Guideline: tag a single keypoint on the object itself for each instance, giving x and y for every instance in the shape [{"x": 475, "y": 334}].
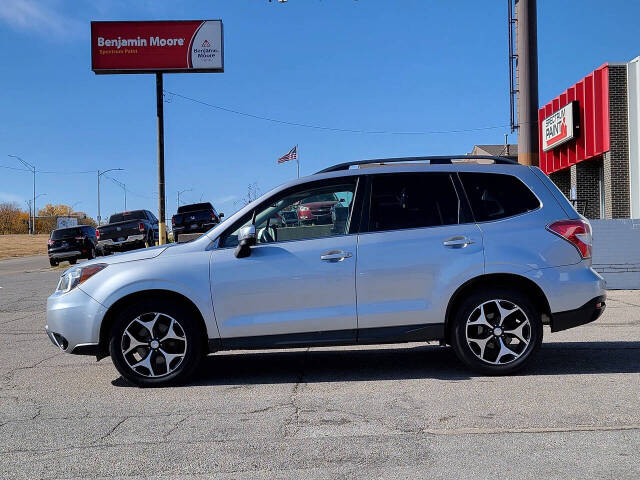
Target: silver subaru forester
[{"x": 476, "y": 252}]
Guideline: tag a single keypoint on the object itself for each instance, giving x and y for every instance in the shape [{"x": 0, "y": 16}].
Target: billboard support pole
[
  {"x": 162, "y": 228},
  {"x": 527, "y": 47}
]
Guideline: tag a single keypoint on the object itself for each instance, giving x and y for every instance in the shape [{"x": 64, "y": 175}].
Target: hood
[
  {"x": 330, "y": 203},
  {"x": 142, "y": 254}
]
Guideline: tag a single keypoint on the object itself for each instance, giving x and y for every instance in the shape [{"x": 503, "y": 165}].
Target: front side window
[
  {"x": 494, "y": 196},
  {"x": 417, "y": 200},
  {"x": 315, "y": 212}
]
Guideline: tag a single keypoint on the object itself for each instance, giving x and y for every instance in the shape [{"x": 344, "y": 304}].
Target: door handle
[
  {"x": 335, "y": 256},
  {"x": 457, "y": 242}
]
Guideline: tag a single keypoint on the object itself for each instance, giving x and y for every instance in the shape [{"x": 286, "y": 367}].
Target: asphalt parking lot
[{"x": 408, "y": 411}]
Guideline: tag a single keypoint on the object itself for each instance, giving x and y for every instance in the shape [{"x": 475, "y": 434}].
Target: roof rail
[{"x": 433, "y": 160}]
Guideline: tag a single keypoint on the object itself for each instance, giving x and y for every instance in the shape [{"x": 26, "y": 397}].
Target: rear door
[{"x": 418, "y": 246}]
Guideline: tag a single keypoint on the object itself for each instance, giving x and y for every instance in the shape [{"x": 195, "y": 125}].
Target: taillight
[
  {"x": 576, "y": 232},
  {"x": 50, "y": 242},
  {"x": 173, "y": 221},
  {"x": 98, "y": 234},
  {"x": 213, "y": 216},
  {"x": 141, "y": 226}
]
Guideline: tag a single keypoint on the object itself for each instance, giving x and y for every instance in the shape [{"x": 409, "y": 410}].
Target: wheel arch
[
  {"x": 504, "y": 280},
  {"x": 122, "y": 303}
]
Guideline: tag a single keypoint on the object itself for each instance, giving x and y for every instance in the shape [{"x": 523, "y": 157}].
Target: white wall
[
  {"x": 616, "y": 252},
  {"x": 633, "y": 89}
]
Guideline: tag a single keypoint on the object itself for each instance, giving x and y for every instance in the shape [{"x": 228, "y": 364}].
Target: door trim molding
[{"x": 364, "y": 336}]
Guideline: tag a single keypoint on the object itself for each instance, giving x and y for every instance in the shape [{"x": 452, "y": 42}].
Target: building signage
[
  {"x": 560, "y": 126},
  {"x": 181, "y": 46}
]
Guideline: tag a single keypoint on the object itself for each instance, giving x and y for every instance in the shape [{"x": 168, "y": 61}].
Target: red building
[{"x": 585, "y": 136}]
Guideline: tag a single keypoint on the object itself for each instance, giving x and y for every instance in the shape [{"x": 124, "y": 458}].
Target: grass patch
[{"x": 22, "y": 245}]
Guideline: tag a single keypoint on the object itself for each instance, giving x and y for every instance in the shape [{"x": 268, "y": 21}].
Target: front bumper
[
  {"x": 73, "y": 321},
  {"x": 587, "y": 313}
]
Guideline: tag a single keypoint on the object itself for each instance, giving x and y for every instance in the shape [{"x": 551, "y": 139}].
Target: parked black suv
[
  {"x": 194, "y": 218},
  {"x": 71, "y": 244},
  {"x": 128, "y": 231}
]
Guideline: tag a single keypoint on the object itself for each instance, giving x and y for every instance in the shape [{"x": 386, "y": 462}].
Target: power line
[{"x": 332, "y": 129}]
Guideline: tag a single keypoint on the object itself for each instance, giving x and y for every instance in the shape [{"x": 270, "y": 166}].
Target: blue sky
[{"x": 405, "y": 65}]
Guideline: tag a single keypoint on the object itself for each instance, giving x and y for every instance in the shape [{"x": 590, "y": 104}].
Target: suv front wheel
[
  {"x": 496, "y": 331},
  {"x": 155, "y": 343}
]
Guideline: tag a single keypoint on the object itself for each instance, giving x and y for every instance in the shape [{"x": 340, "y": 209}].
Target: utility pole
[
  {"x": 162, "y": 226},
  {"x": 527, "y": 50},
  {"x": 99, "y": 175},
  {"x": 33, "y": 169}
]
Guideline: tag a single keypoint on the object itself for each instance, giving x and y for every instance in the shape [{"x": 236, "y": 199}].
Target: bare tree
[{"x": 253, "y": 192}]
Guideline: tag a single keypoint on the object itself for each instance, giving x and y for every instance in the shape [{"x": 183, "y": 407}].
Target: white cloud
[{"x": 34, "y": 15}]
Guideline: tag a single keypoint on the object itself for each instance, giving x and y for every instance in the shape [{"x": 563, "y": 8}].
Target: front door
[{"x": 298, "y": 283}]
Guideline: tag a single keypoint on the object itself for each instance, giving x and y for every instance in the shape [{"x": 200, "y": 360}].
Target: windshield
[{"x": 324, "y": 197}]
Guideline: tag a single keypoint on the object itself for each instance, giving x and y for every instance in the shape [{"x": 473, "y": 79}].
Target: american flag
[{"x": 291, "y": 155}]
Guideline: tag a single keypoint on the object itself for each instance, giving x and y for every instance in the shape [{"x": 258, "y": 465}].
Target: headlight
[{"x": 75, "y": 276}]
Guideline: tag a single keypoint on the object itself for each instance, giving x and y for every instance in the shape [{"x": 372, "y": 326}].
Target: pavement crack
[
  {"x": 111, "y": 430},
  {"x": 175, "y": 426},
  {"x": 293, "y": 399}
]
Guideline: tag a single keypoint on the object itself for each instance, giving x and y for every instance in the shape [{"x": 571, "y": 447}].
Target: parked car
[
  {"x": 477, "y": 256},
  {"x": 71, "y": 244},
  {"x": 290, "y": 217},
  {"x": 128, "y": 231},
  {"x": 194, "y": 218},
  {"x": 317, "y": 209}
]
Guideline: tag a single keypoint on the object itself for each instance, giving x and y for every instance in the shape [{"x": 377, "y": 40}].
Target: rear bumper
[
  {"x": 67, "y": 254},
  {"x": 113, "y": 245},
  {"x": 587, "y": 313}
]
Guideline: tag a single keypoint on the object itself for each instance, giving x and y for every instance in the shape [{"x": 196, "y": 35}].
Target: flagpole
[{"x": 298, "y": 159}]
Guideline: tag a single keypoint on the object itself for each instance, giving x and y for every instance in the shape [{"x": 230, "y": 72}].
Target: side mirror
[
  {"x": 220, "y": 215},
  {"x": 246, "y": 240}
]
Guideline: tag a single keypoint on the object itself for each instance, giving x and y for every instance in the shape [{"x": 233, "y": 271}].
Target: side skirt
[{"x": 364, "y": 336}]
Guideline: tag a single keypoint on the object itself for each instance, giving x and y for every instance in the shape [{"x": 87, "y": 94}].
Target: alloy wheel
[
  {"x": 498, "y": 332},
  {"x": 154, "y": 344}
]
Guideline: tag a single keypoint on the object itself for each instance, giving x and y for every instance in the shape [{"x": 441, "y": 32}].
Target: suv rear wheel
[
  {"x": 155, "y": 343},
  {"x": 496, "y": 331}
]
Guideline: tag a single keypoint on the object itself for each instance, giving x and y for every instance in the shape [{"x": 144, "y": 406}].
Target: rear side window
[
  {"x": 494, "y": 196},
  {"x": 402, "y": 201}
]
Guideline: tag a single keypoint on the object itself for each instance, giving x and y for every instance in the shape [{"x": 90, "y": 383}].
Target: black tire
[
  {"x": 73, "y": 261},
  {"x": 192, "y": 331},
  {"x": 148, "y": 242},
  {"x": 53, "y": 263},
  {"x": 469, "y": 352},
  {"x": 92, "y": 254}
]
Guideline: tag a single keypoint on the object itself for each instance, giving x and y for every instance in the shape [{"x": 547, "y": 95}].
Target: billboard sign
[
  {"x": 66, "y": 222},
  {"x": 560, "y": 126},
  {"x": 179, "y": 46}
]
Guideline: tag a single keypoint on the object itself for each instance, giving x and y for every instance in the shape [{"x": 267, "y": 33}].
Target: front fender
[{"x": 186, "y": 274}]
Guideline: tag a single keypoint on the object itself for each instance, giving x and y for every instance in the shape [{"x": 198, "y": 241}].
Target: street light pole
[
  {"x": 180, "y": 192},
  {"x": 33, "y": 169},
  {"x": 99, "y": 175}
]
